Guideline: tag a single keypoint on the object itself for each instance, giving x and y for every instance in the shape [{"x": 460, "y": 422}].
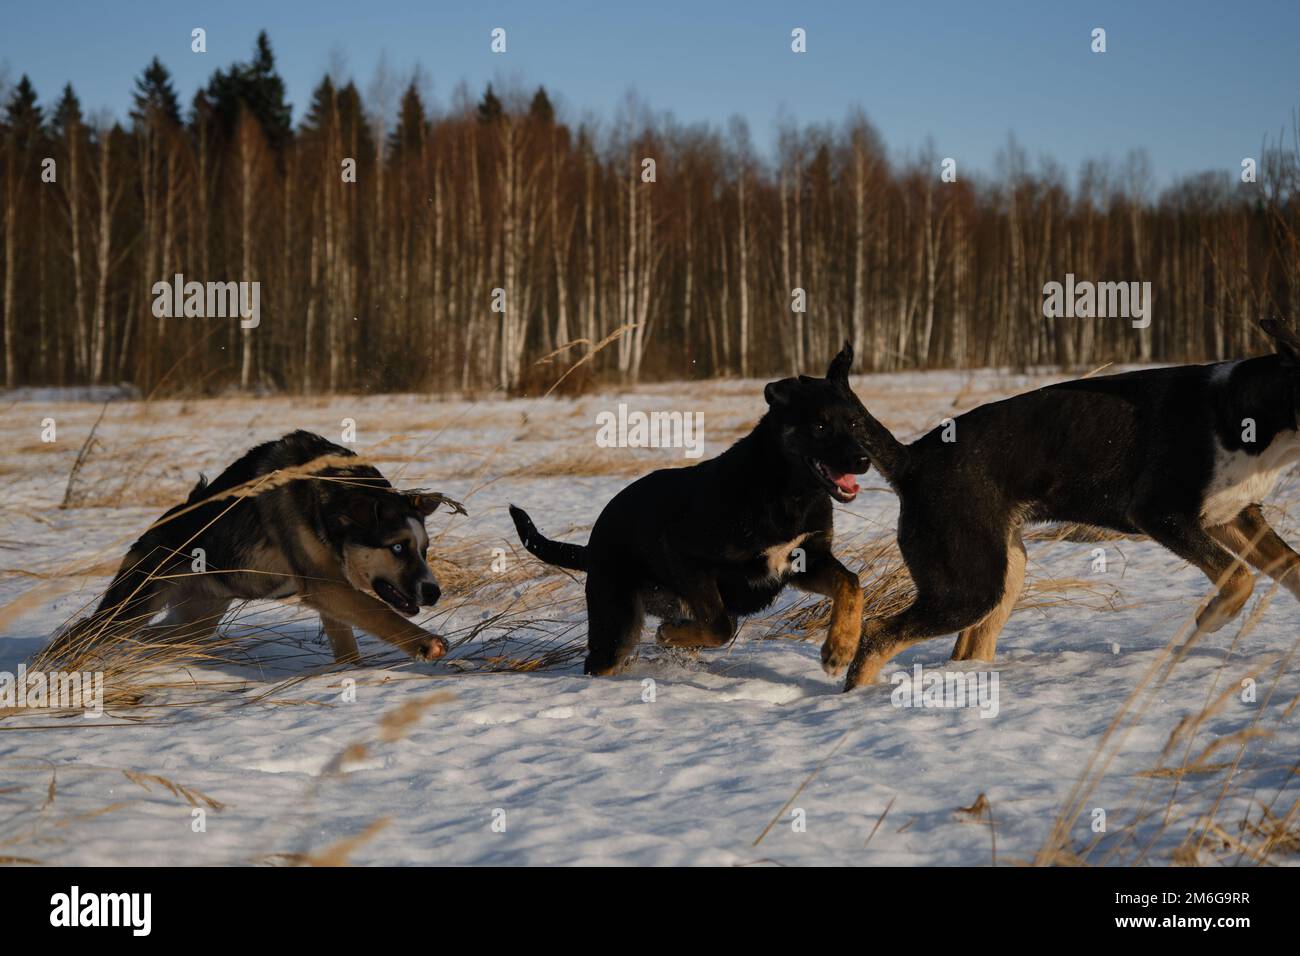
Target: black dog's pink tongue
[{"x": 846, "y": 483}]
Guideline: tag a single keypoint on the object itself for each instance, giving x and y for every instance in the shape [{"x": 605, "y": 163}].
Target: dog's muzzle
[{"x": 842, "y": 485}]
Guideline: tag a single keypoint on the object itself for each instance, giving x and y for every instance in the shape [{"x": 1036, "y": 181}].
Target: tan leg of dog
[
  {"x": 979, "y": 642},
  {"x": 1233, "y": 582},
  {"x": 709, "y": 625},
  {"x": 1193, "y": 542},
  {"x": 342, "y": 641},
  {"x": 694, "y": 634},
  {"x": 835, "y": 581},
  {"x": 1251, "y": 537},
  {"x": 345, "y": 603},
  {"x": 875, "y": 650}
]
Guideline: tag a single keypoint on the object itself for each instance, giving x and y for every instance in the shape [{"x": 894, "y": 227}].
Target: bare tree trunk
[
  {"x": 799, "y": 323},
  {"x": 742, "y": 261},
  {"x": 509, "y": 251},
  {"x": 641, "y": 333},
  {"x": 786, "y": 274},
  {"x": 330, "y": 285},
  {"x": 589, "y": 206},
  {"x": 688, "y": 292},
  {"x": 559, "y": 246},
  {"x": 434, "y": 253},
  {"x": 11, "y": 266},
  {"x": 246, "y": 240},
  {"x": 629, "y": 272},
  {"x": 73, "y": 188},
  {"x": 933, "y": 237},
  {"x": 859, "y": 332},
  {"x": 103, "y": 257}
]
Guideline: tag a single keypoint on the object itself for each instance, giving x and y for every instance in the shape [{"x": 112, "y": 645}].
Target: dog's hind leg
[
  {"x": 189, "y": 619},
  {"x": 710, "y": 624},
  {"x": 135, "y": 595},
  {"x": 342, "y": 640},
  {"x": 978, "y": 642},
  {"x": 614, "y": 618},
  {"x": 1188, "y": 539},
  {"x": 1251, "y": 537},
  {"x": 138, "y": 590}
]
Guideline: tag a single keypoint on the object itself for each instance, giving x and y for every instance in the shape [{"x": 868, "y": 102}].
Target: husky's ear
[
  {"x": 781, "y": 393},
  {"x": 1285, "y": 340},
  {"x": 840, "y": 365},
  {"x": 358, "y": 510},
  {"x": 427, "y": 502}
]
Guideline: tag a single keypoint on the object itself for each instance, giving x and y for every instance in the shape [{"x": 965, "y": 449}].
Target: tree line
[{"x": 454, "y": 251}]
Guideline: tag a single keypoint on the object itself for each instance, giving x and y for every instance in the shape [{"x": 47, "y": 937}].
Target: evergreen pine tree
[
  {"x": 412, "y": 126},
  {"x": 23, "y": 116},
  {"x": 256, "y": 87},
  {"x": 541, "y": 110},
  {"x": 489, "y": 108},
  {"x": 67, "y": 112},
  {"x": 322, "y": 106},
  {"x": 155, "y": 97}
]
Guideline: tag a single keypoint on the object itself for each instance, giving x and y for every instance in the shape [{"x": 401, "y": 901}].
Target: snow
[{"x": 680, "y": 760}]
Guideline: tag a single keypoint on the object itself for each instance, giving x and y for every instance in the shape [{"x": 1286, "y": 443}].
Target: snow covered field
[{"x": 679, "y": 760}]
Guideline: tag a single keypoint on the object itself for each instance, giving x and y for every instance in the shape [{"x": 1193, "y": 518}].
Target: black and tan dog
[
  {"x": 701, "y": 546},
  {"x": 296, "y": 517},
  {"x": 1182, "y": 455}
]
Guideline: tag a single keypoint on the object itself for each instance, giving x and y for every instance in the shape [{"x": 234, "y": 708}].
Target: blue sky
[{"x": 1198, "y": 84}]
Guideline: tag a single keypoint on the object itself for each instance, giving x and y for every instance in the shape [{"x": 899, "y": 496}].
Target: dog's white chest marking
[
  {"x": 779, "y": 558},
  {"x": 1240, "y": 479}
]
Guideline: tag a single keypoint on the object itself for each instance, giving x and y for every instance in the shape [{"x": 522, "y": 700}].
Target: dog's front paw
[
  {"x": 835, "y": 657},
  {"x": 430, "y": 648}
]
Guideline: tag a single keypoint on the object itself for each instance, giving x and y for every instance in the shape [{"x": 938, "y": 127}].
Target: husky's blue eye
[{"x": 397, "y": 549}]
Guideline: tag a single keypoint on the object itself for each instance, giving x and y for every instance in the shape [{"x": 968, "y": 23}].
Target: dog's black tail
[
  {"x": 886, "y": 452},
  {"x": 559, "y": 553}
]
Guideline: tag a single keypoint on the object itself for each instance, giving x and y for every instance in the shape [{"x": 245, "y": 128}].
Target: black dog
[
  {"x": 1182, "y": 455},
  {"x": 702, "y": 545}
]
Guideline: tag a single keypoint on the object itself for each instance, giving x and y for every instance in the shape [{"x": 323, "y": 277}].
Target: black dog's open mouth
[
  {"x": 843, "y": 486},
  {"x": 390, "y": 595}
]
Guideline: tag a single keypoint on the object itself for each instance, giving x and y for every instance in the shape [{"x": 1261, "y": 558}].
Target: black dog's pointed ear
[
  {"x": 782, "y": 392},
  {"x": 1285, "y": 340},
  {"x": 427, "y": 502},
  {"x": 840, "y": 365}
]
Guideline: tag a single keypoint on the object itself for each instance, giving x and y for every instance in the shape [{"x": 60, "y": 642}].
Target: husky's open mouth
[
  {"x": 843, "y": 486},
  {"x": 399, "y": 601}
]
